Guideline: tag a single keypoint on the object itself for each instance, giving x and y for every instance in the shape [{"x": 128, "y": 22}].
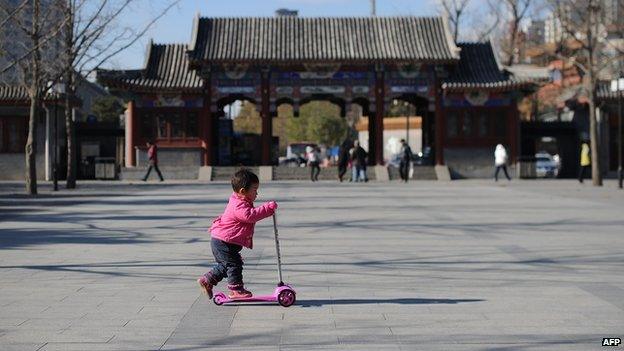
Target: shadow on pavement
[{"x": 401, "y": 301}]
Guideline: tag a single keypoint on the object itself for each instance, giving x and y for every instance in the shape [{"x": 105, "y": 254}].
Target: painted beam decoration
[
  {"x": 169, "y": 100},
  {"x": 478, "y": 98}
]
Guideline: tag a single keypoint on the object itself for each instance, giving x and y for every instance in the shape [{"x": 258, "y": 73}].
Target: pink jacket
[{"x": 236, "y": 224}]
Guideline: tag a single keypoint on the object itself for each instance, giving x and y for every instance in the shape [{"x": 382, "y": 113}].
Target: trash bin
[{"x": 105, "y": 168}]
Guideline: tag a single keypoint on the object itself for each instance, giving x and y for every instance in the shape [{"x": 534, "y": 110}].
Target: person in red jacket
[
  {"x": 232, "y": 231},
  {"x": 152, "y": 155}
]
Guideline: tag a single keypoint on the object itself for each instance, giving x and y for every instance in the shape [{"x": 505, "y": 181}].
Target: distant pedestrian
[
  {"x": 152, "y": 155},
  {"x": 500, "y": 161},
  {"x": 405, "y": 160},
  {"x": 359, "y": 158},
  {"x": 343, "y": 158},
  {"x": 585, "y": 162},
  {"x": 313, "y": 156}
]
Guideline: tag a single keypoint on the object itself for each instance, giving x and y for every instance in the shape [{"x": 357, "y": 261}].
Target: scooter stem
[{"x": 277, "y": 249}]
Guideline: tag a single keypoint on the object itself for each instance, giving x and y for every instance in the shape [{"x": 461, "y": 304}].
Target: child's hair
[{"x": 244, "y": 179}]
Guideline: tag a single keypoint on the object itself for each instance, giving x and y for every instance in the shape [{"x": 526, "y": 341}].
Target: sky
[{"x": 175, "y": 26}]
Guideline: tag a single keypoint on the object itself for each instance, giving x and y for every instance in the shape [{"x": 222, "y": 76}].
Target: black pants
[
  {"x": 149, "y": 169},
  {"x": 404, "y": 167},
  {"x": 315, "y": 170},
  {"x": 582, "y": 171},
  {"x": 342, "y": 169},
  {"x": 229, "y": 264},
  {"x": 504, "y": 168}
]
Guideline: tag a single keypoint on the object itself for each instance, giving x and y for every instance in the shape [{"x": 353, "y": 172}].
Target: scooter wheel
[
  {"x": 286, "y": 297},
  {"x": 218, "y": 299}
]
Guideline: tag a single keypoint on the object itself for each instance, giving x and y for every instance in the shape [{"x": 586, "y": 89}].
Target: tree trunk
[
  {"x": 69, "y": 94},
  {"x": 34, "y": 92},
  {"x": 593, "y": 136},
  {"x": 71, "y": 138},
  {"x": 31, "y": 143},
  {"x": 592, "y": 32}
]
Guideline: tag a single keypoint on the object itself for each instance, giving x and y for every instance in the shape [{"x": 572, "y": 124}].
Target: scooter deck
[{"x": 264, "y": 298}]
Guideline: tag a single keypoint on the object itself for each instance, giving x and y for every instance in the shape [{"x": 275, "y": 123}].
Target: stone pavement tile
[
  {"x": 346, "y": 323},
  {"x": 152, "y": 323},
  {"x": 260, "y": 312},
  {"x": 309, "y": 339},
  {"x": 111, "y": 346},
  {"x": 27, "y": 336},
  {"x": 342, "y": 347},
  {"x": 11, "y": 322},
  {"x": 366, "y": 338},
  {"x": 21, "y": 346},
  {"x": 305, "y": 314},
  {"x": 95, "y": 335},
  {"x": 211, "y": 347},
  {"x": 47, "y": 323},
  {"x": 99, "y": 322}
]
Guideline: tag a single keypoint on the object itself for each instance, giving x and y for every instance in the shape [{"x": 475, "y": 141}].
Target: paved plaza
[{"x": 463, "y": 265}]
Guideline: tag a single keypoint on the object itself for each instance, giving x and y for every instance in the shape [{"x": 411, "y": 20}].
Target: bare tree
[
  {"x": 80, "y": 35},
  {"x": 486, "y": 22},
  {"x": 454, "y": 10},
  {"x": 513, "y": 13},
  {"x": 582, "y": 24},
  {"x": 91, "y": 37},
  {"x": 29, "y": 58}
]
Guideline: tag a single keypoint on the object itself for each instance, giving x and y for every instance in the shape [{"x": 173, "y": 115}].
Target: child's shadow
[{"x": 402, "y": 301}]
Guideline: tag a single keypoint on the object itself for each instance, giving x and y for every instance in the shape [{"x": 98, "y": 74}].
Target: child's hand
[{"x": 272, "y": 205}]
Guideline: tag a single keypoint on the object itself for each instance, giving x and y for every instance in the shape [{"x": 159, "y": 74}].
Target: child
[{"x": 233, "y": 230}]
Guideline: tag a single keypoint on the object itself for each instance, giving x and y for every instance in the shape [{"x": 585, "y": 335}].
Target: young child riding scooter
[{"x": 234, "y": 230}]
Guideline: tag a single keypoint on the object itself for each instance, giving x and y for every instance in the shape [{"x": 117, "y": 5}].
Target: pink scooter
[{"x": 284, "y": 294}]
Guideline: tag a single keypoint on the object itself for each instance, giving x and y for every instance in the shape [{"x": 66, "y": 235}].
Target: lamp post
[{"x": 617, "y": 86}]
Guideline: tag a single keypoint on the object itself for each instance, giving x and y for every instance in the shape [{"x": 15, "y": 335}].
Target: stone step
[
  {"x": 168, "y": 172},
  {"x": 303, "y": 173},
  {"x": 420, "y": 173},
  {"x": 225, "y": 173}
]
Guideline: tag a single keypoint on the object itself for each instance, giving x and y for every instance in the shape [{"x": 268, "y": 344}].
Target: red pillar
[
  {"x": 439, "y": 125},
  {"x": 267, "y": 128},
  {"x": 206, "y": 125},
  {"x": 513, "y": 122},
  {"x": 131, "y": 134},
  {"x": 377, "y": 126}
]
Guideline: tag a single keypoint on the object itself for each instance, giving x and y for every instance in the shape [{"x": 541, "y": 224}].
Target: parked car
[
  {"x": 422, "y": 158},
  {"x": 295, "y": 154},
  {"x": 545, "y": 165}
]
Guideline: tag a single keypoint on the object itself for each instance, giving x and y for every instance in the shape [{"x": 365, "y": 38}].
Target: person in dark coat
[
  {"x": 405, "y": 160},
  {"x": 152, "y": 155},
  {"x": 359, "y": 162},
  {"x": 343, "y": 158}
]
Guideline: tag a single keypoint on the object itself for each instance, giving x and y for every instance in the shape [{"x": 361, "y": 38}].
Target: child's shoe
[
  {"x": 205, "y": 285},
  {"x": 239, "y": 293}
]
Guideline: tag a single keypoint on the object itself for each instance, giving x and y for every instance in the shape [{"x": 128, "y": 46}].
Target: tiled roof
[
  {"x": 166, "y": 68},
  {"x": 18, "y": 93},
  {"x": 313, "y": 39},
  {"x": 13, "y": 93},
  {"x": 530, "y": 72},
  {"x": 479, "y": 70}
]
